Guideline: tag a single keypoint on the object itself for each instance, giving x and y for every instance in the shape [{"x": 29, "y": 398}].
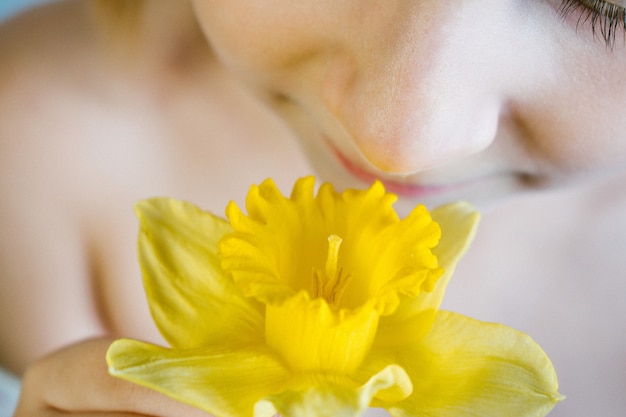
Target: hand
[{"x": 74, "y": 381}]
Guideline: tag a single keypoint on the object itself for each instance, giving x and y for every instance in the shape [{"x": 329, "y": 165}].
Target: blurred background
[{"x": 9, "y": 7}]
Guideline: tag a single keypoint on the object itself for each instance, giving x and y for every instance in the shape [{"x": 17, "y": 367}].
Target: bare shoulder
[
  {"x": 57, "y": 103},
  {"x": 69, "y": 118},
  {"x": 53, "y": 96},
  {"x": 47, "y": 73}
]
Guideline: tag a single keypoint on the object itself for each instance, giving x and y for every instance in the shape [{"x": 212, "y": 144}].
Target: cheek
[
  {"x": 578, "y": 123},
  {"x": 589, "y": 138}
]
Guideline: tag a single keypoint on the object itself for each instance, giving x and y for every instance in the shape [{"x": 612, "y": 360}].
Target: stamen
[
  {"x": 331, "y": 284},
  {"x": 334, "y": 242},
  {"x": 340, "y": 287},
  {"x": 318, "y": 281}
]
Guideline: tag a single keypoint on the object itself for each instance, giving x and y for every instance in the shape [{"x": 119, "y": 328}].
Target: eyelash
[{"x": 606, "y": 18}]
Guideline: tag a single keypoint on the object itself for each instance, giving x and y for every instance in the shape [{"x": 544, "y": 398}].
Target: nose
[{"x": 424, "y": 87}]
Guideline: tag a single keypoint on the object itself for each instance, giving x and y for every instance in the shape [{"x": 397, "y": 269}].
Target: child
[{"x": 105, "y": 103}]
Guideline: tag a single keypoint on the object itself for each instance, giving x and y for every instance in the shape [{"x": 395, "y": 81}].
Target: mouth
[{"x": 396, "y": 187}]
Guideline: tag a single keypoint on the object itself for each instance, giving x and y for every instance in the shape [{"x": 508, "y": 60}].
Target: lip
[{"x": 396, "y": 187}]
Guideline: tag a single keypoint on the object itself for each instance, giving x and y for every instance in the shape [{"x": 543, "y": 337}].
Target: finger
[{"x": 76, "y": 380}]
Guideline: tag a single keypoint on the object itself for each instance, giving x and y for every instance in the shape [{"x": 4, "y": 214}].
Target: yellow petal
[
  {"x": 391, "y": 384},
  {"x": 406, "y": 264},
  {"x": 279, "y": 248},
  {"x": 464, "y": 367},
  {"x": 261, "y": 254},
  {"x": 311, "y": 336},
  {"x": 339, "y": 398},
  {"x": 458, "y": 222},
  {"x": 223, "y": 383},
  {"x": 414, "y": 317},
  {"x": 192, "y": 302}
]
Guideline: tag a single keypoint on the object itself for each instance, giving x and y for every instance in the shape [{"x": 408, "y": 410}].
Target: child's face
[{"x": 441, "y": 99}]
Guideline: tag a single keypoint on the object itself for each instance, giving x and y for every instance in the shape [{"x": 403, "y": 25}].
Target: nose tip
[
  {"x": 412, "y": 124},
  {"x": 413, "y": 144}
]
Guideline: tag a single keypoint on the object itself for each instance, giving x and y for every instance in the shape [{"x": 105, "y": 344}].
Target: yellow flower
[{"x": 322, "y": 305}]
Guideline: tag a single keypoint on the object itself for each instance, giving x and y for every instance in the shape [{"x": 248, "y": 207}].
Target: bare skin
[
  {"x": 80, "y": 145},
  {"x": 85, "y": 132}
]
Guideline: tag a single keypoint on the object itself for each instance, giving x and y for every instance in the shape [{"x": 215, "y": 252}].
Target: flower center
[
  {"x": 332, "y": 283},
  {"x": 312, "y": 332}
]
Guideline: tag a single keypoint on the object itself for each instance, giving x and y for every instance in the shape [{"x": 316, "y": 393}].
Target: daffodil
[{"x": 322, "y": 305}]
